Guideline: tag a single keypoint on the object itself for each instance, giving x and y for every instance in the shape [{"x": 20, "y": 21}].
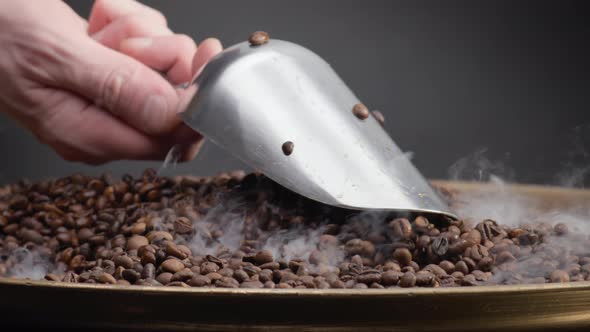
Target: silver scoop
[{"x": 250, "y": 100}]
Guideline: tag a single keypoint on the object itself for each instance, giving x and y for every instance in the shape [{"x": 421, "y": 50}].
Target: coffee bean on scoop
[
  {"x": 258, "y": 38},
  {"x": 360, "y": 111},
  {"x": 288, "y": 148}
]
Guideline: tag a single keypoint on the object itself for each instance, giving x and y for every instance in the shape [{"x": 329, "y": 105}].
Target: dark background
[{"x": 471, "y": 88}]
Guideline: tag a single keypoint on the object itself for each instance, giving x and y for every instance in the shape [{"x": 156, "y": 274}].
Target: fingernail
[
  {"x": 154, "y": 113},
  {"x": 138, "y": 43}
]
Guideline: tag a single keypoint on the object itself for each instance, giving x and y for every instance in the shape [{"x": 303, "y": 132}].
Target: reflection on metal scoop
[{"x": 283, "y": 110}]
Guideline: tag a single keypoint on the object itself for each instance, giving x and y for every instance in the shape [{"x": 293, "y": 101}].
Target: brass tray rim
[{"x": 388, "y": 292}]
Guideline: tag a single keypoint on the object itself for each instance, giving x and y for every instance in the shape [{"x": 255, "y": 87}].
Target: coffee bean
[
  {"x": 148, "y": 258},
  {"x": 209, "y": 267},
  {"x": 391, "y": 278},
  {"x": 288, "y": 148},
  {"x": 560, "y": 229},
  {"x": 403, "y": 256},
  {"x": 258, "y": 38},
  {"x": 130, "y": 275},
  {"x": 183, "y": 225},
  {"x": 559, "y": 276},
  {"x": 156, "y": 236},
  {"x": 425, "y": 278},
  {"x": 400, "y": 229},
  {"x": 447, "y": 266},
  {"x": 136, "y": 241},
  {"x": 199, "y": 281},
  {"x": 172, "y": 265},
  {"x": 106, "y": 278},
  {"x": 379, "y": 117},
  {"x": 164, "y": 278},
  {"x": 124, "y": 261},
  {"x": 227, "y": 282},
  {"x": 252, "y": 284},
  {"x": 369, "y": 277},
  {"x": 408, "y": 280},
  {"x": 52, "y": 277},
  {"x": 360, "y": 111},
  {"x": 505, "y": 257},
  {"x": 469, "y": 280},
  {"x": 173, "y": 250},
  {"x": 138, "y": 228},
  {"x": 440, "y": 245},
  {"x": 182, "y": 275}
]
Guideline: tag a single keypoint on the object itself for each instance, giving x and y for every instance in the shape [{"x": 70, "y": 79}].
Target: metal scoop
[{"x": 283, "y": 110}]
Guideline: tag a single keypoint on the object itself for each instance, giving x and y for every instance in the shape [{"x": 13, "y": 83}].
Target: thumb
[{"x": 125, "y": 87}]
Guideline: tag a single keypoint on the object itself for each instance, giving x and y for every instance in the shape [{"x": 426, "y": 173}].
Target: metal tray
[{"x": 486, "y": 308}]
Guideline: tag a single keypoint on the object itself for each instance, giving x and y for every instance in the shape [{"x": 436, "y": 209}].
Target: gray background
[{"x": 486, "y": 87}]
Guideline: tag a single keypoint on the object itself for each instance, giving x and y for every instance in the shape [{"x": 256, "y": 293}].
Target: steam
[
  {"x": 29, "y": 264},
  {"x": 506, "y": 206}
]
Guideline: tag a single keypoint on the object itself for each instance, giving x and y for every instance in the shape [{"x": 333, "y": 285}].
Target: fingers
[
  {"x": 169, "y": 54},
  {"x": 129, "y": 27},
  {"x": 106, "y": 11},
  {"x": 207, "y": 49},
  {"x": 125, "y": 87},
  {"x": 80, "y": 131}
]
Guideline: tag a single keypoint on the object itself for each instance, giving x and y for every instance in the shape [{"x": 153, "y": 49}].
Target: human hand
[{"x": 93, "y": 90}]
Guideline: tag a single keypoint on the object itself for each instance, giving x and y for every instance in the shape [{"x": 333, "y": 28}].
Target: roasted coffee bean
[
  {"x": 559, "y": 276},
  {"x": 440, "y": 245},
  {"x": 391, "y": 278},
  {"x": 425, "y": 278},
  {"x": 182, "y": 275},
  {"x": 360, "y": 111},
  {"x": 447, "y": 266},
  {"x": 199, "y": 281},
  {"x": 164, "y": 278},
  {"x": 157, "y": 236},
  {"x": 130, "y": 275},
  {"x": 369, "y": 277},
  {"x": 241, "y": 275},
  {"x": 209, "y": 267},
  {"x": 360, "y": 247},
  {"x": 183, "y": 225},
  {"x": 52, "y": 277},
  {"x": 403, "y": 256},
  {"x": 124, "y": 261},
  {"x": 138, "y": 228},
  {"x": 173, "y": 250},
  {"x": 560, "y": 229},
  {"x": 106, "y": 278},
  {"x": 263, "y": 257},
  {"x": 136, "y": 241},
  {"x": 252, "y": 284},
  {"x": 288, "y": 148},
  {"x": 504, "y": 257},
  {"x": 469, "y": 280},
  {"x": 379, "y": 117},
  {"x": 227, "y": 282},
  {"x": 400, "y": 229},
  {"x": 408, "y": 280},
  {"x": 172, "y": 265},
  {"x": 258, "y": 38}
]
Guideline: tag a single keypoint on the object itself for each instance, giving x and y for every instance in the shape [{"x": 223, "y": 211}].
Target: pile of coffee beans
[{"x": 161, "y": 231}]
